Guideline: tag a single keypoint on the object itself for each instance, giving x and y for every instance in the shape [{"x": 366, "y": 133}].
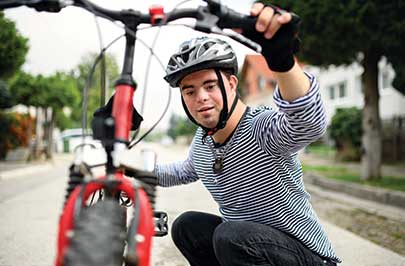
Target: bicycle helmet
[{"x": 198, "y": 54}]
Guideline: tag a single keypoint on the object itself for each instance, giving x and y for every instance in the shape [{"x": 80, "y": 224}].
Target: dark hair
[{"x": 227, "y": 72}]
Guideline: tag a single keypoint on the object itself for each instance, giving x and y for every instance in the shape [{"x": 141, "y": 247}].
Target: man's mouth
[{"x": 204, "y": 109}]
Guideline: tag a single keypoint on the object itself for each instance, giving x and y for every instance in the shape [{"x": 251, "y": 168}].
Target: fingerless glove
[{"x": 280, "y": 49}]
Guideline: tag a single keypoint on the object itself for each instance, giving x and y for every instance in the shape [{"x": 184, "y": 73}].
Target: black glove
[
  {"x": 106, "y": 111},
  {"x": 280, "y": 49}
]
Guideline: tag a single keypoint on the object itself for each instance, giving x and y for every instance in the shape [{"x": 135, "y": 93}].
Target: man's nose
[{"x": 202, "y": 95}]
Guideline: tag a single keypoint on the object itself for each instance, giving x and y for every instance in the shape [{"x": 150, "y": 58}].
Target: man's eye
[
  {"x": 210, "y": 87},
  {"x": 189, "y": 93}
]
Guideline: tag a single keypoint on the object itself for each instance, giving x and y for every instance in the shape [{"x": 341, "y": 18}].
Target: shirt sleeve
[
  {"x": 295, "y": 125},
  {"x": 177, "y": 173}
]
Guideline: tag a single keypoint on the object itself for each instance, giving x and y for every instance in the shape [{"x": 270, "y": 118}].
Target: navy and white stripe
[{"x": 262, "y": 177}]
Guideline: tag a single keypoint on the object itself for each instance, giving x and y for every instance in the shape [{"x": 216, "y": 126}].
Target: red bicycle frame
[{"x": 122, "y": 113}]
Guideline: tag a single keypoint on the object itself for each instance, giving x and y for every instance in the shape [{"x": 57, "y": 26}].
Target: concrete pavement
[{"x": 352, "y": 249}]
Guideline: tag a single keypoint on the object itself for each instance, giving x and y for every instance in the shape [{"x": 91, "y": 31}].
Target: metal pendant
[{"x": 218, "y": 165}]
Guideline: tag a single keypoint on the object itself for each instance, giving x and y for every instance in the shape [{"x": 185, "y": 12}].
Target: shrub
[
  {"x": 345, "y": 130},
  {"x": 15, "y": 131}
]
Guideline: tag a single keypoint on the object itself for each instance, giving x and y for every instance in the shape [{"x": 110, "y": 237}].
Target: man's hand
[
  {"x": 276, "y": 31},
  {"x": 268, "y": 20}
]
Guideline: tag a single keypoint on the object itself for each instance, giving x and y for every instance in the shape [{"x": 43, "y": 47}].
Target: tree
[
  {"x": 49, "y": 95},
  {"x": 13, "y": 48},
  {"x": 26, "y": 92},
  {"x": 6, "y": 101},
  {"x": 341, "y": 32},
  {"x": 59, "y": 91},
  {"x": 80, "y": 74}
]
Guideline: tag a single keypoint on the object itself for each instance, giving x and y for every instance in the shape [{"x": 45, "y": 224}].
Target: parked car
[{"x": 72, "y": 138}]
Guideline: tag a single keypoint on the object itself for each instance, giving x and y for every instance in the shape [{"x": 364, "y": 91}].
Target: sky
[{"x": 59, "y": 41}]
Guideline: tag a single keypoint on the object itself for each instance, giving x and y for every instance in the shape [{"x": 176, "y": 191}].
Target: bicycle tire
[{"x": 99, "y": 236}]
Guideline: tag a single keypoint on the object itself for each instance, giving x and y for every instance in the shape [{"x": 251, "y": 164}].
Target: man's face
[{"x": 202, "y": 95}]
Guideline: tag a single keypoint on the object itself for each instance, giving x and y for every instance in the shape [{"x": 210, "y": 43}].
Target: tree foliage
[
  {"x": 81, "y": 73},
  {"x": 335, "y": 32},
  {"x": 13, "y": 48},
  {"x": 180, "y": 126},
  {"x": 6, "y": 101},
  {"x": 56, "y": 91},
  {"x": 26, "y": 90}
]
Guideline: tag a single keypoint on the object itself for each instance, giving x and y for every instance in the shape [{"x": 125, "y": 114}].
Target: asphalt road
[{"x": 30, "y": 206}]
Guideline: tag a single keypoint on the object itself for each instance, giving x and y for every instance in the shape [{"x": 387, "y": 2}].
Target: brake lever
[{"x": 208, "y": 23}]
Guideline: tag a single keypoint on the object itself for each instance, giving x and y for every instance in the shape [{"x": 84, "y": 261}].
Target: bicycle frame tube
[
  {"x": 122, "y": 111},
  {"x": 145, "y": 230},
  {"x": 125, "y": 88}
]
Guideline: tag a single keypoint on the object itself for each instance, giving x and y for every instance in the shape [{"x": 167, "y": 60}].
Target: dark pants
[{"x": 205, "y": 240}]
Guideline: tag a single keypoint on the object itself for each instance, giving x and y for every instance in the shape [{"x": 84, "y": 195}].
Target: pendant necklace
[
  {"x": 218, "y": 165},
  {"x": 219, "y": 155}
]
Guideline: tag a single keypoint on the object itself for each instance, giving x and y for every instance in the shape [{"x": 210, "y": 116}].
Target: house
[
  {"x": 342, "y": 87},
  {"x": 257, "y": 81}
]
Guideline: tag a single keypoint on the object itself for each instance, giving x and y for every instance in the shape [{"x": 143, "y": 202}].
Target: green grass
[
  {"x": 343, "y": 174},
  {"x": 321, "y": 150}
]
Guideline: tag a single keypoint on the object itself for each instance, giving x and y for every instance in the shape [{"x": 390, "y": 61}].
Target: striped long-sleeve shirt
[{"x": 261, "y": 180}]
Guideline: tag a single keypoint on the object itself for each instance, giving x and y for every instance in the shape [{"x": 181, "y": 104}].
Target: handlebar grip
[
  {"x": 53, "y": 6},
  {"x": 9, "y": 4},
  {"x": 233, "y": 19}
]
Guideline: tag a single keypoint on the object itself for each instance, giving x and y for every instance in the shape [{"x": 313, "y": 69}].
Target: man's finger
[
  {"x": 273, "y": 27},
  {"x": 264, "y": 19},
  {"x": 284, "y": 18},
  {"x": 256, "y": 9}
]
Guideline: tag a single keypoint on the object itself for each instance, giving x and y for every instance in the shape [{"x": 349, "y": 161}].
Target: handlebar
[{"x": 212, "y": 18}]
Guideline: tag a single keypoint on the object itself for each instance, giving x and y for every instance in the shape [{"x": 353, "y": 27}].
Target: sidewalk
[{"x": 354, "y": 250}]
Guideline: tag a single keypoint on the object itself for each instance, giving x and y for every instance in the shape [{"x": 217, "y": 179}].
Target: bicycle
[{"x": 97, "y": 234}]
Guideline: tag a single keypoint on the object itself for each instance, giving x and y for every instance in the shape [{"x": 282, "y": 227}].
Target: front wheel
[{"x": 98, "y": 236}]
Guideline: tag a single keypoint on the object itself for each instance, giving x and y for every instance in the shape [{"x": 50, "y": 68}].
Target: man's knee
[
  {"x": 224, "y": 236},
  {"x": 234, "y": 235},
  {"x": 181, "y": 225}
]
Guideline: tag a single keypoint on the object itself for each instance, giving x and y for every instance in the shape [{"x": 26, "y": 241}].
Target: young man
[{"x": 247, "y": 157}]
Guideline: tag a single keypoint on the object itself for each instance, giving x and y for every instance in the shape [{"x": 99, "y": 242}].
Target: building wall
[{"x": 341, "y": 87}]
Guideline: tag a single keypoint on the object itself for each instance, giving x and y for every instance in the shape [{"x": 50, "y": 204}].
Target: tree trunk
[
  {"x": 36, "y": 151},
  {"x": 372, "y": 136},
  {"x": 51, "y": 124},
  {"x": 29, "y": 133}
]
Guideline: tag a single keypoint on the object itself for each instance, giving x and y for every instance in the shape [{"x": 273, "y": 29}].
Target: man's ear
[{"x": 233, "y": 81}]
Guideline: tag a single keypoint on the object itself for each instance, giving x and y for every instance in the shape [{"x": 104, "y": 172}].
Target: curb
[{"x": 380, "y": 195}]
